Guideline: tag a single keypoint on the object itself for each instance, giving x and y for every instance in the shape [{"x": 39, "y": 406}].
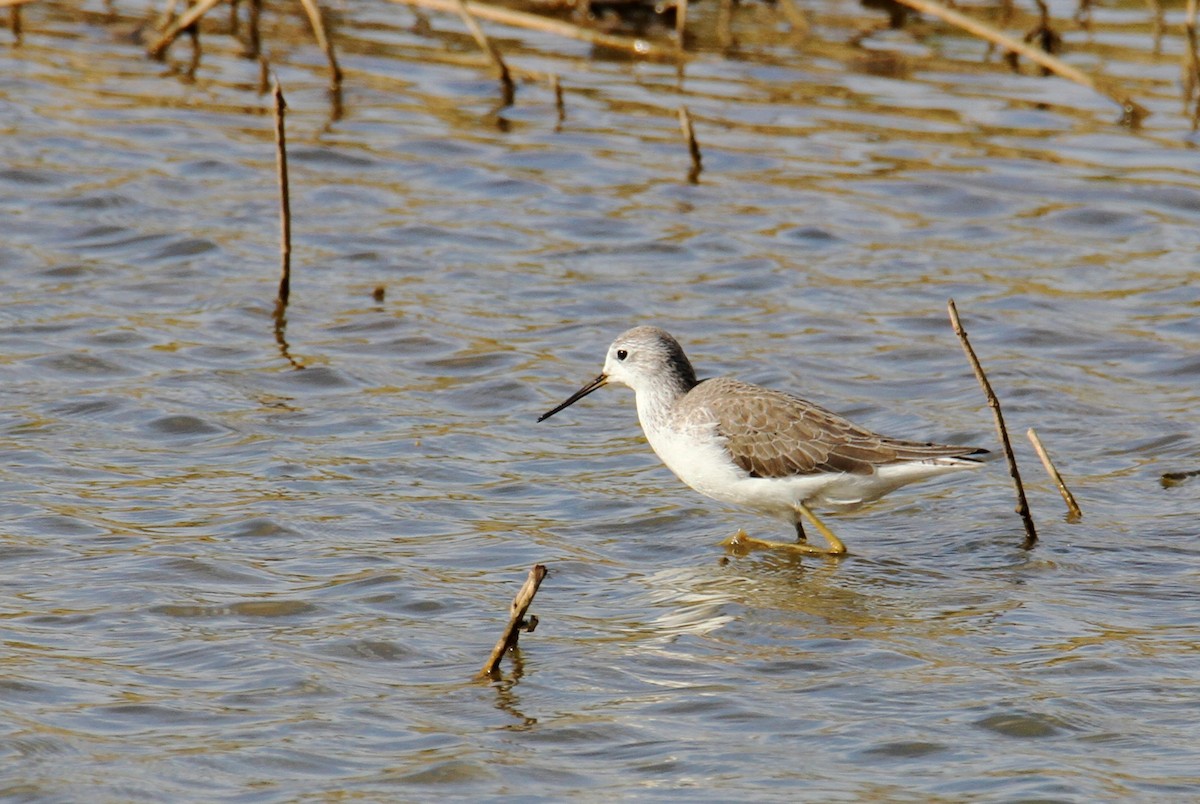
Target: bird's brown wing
[{"x": 772, "y": 434}]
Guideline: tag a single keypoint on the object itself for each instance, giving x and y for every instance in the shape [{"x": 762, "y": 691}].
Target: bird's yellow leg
[
  {"x": 740, "y": 541},
  {"x": 836, "y": 548}
]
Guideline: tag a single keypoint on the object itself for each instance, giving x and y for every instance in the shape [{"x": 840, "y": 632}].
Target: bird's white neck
[{"x": 654, "y": 402}]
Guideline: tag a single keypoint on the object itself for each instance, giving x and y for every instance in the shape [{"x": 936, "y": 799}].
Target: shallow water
[{"x": 226, "y": 578}]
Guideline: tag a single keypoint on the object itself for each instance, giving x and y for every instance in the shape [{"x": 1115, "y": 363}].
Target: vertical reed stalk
[{"x": 994, "y": 404}]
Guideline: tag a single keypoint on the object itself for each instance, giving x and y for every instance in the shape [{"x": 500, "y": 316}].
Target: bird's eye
[{"x": 622, "y": 354}]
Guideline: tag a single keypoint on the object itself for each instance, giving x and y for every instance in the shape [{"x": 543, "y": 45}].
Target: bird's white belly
[{"x": 698, "y": 457}]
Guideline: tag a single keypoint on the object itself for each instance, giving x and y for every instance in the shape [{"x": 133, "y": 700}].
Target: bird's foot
[{"x": 740, "y": 544}]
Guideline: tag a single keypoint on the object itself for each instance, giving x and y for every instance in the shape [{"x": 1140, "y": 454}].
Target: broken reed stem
[
  {"x": 180, "y": 24},
  {"x": 559, "y": 106},
  {"x": 681, "y": 12},
  {"x": 794, "y": 16},
  {"x": 1131, "y": 109},
  {"x": 285, "y": 206},
  {"x": 994, "y": 404},
  {"x": 689, "y": 135},
  {"x": 533, "y": 22},
  {"x": 507, "y": 88},
  {"x": 193, "y": 31},
  {"x": 254, "y": 35},
  {"x": 167, "y": 15},
  {"x": 725, "y": 24},
  {"x": 323, "y": 41},
  {"x": 1191, "y": 65},
  {"x": 1074, "y": 514},
  {"x": 516, "y": 621}
]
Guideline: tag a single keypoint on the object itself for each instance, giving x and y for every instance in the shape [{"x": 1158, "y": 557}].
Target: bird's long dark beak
[{"x": 599, "y": 382}]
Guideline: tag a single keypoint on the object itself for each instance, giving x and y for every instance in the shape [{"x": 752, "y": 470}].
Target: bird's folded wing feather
[{"x": 773, "y": 434}]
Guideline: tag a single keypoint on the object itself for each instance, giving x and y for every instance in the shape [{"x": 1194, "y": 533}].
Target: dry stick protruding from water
[
  {"x": 559, "y": 106},
  {"x": 689, "y": 135},
  {"x": 725, "y": 24},
  {"x": 794, "y": 16},
  {"x": 285, "y": 231},
  {"x": 1132, "y": 110},
  {"x": 14, "y": 18},
  {"x": 1074, "y": 514},
  {"x": 254, "y": 35},
  {"x": 994, "y": 404},
  {"x": 507, "y": 88},
  {"x": 533, "y": 22},
  {"x": 681, "y": 12},
  {"x": 285, "y": 205},
  {"x": 516, "y": 621},
  {"x": 180, "y": 24},
  {"x": 323, "y": 41},
  {"x": 1191, "y": 65}
]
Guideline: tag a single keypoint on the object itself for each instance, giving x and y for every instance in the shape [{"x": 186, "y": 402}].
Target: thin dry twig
[
  {"x": 180, "y": 24},
  {"x": 1043, "y": 35},
  {"x": 254, "y": 34},
  {"x": 689, "y": 135},
  {"x": 794, "y": 16},
  {"x": 517, "y": 621},
  {"x": 323, "y": 41},
  {"x": 994, "y": 404},
  {"x": 520, "y": 19},
  {"x": 725, "y": 24},
  {"x": 1132, "y": 110},
  {"x": 507, "y": 88},
  {"x": 285, "y": 205},
  {"x": 168, "y": 14},
  {"x": 559, "y": 106},
  {"x": 1160, "y": 23},
  {"x": 1074, "y": 514},
  {"x": 681, "y": 13},
  {"x": 1191, "y": 65}
]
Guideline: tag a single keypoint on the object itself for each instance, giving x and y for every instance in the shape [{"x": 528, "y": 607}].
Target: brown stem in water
[
  {"x": 994, "y": 404},
  {"x": 285, "y": 206},
  {"x": 1191, "y": 65},
  {"x": 180, "y": 24},
  {"x": 559, "y": 106},
  {"x": 254, "y": 34},
  {"x": 521, "y": 19},
  {"x": 507, "y": 88},
  {"x": 1074, "y": 514},
  {"x": 323, "y": 41},
  {"x": 1132, "y": 110},
  {"x": 794, "y": 16},
  {"x": 689, "y": 135},
  {"x": 516, "y": 621},
  {"x": 681, "y": 13}
]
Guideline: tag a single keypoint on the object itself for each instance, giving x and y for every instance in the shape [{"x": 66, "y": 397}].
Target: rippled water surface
[{"x": 227, "y": 577}]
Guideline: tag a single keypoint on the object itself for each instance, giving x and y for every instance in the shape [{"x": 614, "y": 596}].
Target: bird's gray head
[
  {"x": 647, "y": 356},
  {"x": 644, "y": 358}
]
